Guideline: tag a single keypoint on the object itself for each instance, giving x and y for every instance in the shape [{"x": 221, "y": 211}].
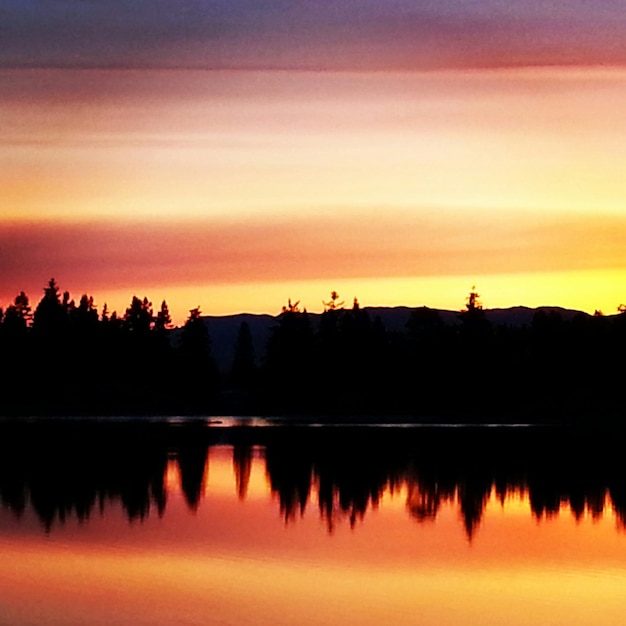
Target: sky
[{"x": 232, "y": 155}]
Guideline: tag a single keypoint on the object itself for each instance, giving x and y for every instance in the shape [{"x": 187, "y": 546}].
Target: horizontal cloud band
[{"x": 384, "y": 244}]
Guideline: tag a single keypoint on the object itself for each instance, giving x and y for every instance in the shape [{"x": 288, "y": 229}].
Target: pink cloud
[{"x": 112, "y": 256}]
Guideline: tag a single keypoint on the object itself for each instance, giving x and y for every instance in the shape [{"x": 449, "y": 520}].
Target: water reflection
[
  {"x": 62, "y": 470},
  {"x": 70, "y": 475},
  {"x": 191, "y": 457}
]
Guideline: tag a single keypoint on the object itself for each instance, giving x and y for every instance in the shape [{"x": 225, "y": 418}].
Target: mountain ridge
[{"x": 223, "y": 329}]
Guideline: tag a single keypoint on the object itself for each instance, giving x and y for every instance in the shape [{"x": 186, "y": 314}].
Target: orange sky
[{"x": 234, "y": 190}]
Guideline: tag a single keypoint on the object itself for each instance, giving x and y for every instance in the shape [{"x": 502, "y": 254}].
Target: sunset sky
[{"x": 235, "y": 154}]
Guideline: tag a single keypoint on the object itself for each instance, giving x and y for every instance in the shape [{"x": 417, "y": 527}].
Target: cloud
[
  {"x": 352, "y": 34},
  {"x": 92, "y": 257}
]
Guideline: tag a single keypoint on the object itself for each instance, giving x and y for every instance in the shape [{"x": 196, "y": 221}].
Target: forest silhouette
[
  {"x": 68, "y": 358},
  {"x": 339, "y": 476}
]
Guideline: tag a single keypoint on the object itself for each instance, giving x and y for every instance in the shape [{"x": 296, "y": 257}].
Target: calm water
[{"x": 188, "y": 524}]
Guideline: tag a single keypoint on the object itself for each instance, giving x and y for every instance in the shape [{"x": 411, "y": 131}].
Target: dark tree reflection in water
[
  {"x": 191, "y": 457},
  {"x": 64, "y": 470},
  {"x": 289, "y": 472},
  {"x": 242, "y": 466},
  {"x": 77, "y": 470}
]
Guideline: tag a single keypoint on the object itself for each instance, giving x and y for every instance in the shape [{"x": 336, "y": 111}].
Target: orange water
[{"x": 236, "y": 560}]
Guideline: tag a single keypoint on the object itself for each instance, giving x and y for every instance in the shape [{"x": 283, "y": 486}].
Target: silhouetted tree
[
  {"x": 105, "y": 315},
  {"x": 84, "y": 317},
  {"x": 139, "y": 317},
  {"x": 290, "y": 359},
  {"x": 15, "y": 357},
  {"x": 50, "y": 317},
  {"x": 474, "y": 356},
  {"x": 473, "y": 318},
  {"x": 136, "y": 354},
  {"x": 197, "y": 371},
  {"x": 84, "y": 354},
  {"x": 52, "y": 362},
  {"x": 17, "y": 316},
  {"x": 334, "y": 303},
  {"x": 291, "y": 307},
  {"x": 330, "y": 363},
  {"x": 163, "y": 320},
  {"x": 162, "y": 355},
  {"x": 65, "y": 356},
  {"x": 355, "y": 366}
]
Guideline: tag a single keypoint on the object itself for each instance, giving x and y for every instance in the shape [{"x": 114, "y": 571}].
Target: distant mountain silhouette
[
  {"x": 224, "y": 329},
  {"x": 523, "y": 316},
  {"x": 546, "y": 365}
]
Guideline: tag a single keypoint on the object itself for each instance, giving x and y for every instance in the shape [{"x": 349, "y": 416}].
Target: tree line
[{"x": 65, "y": 357}]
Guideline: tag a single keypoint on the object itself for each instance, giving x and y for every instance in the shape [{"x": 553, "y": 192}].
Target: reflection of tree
[
  {"x": 555, "y": 482},
  {"x": 64, "y": 470},
  {"x": 466, "y": 467},
  {"x": 427, "y": 492},
  {"x": 289, "y": 472},
  {"x": 618, "y": 497},
  {"x": 473, "y": 496},
  {"x": 192, "y": 461},
  {"x": 242, "y": 464},
  {"x": 424, "y": 498},
  {"x": 349, "y": 483},
  {"x": 595, "y": 502},
  {"x": 348, "y": 473}
]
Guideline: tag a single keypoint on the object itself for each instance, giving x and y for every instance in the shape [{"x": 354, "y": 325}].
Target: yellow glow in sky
[
  {"x": 398, "y": 176},
  {"x": 580, "y": 290}
]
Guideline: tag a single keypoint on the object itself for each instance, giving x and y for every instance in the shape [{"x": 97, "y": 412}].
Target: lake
[{"x": 175, "y": 522}]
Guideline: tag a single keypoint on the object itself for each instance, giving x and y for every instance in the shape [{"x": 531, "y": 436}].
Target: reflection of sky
[
  {"x": 237, "y": 562},
  {"x": 351, "y": 33}
]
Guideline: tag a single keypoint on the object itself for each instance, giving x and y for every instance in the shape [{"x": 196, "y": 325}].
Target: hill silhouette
[{"x": 224, "y": 328}]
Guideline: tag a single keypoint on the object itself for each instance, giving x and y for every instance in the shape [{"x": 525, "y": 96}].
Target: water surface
[{"x": 189, "y": 524}]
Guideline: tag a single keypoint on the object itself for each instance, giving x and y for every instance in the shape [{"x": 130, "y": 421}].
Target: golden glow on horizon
[
  {"x": 581, "y": 290},
  {"x": 519, "y": 172}
]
